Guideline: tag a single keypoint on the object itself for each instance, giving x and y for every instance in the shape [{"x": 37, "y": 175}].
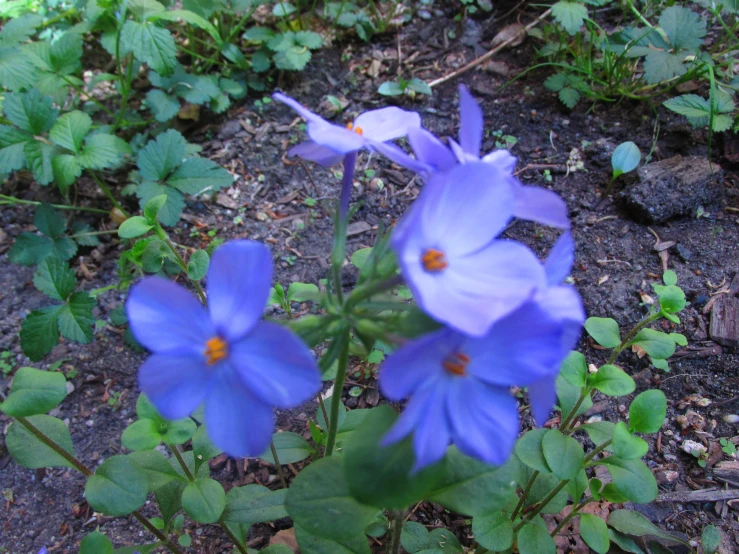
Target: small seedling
[{"x": 728, "y": 447}]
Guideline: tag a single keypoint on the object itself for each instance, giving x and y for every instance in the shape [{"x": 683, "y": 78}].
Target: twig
[
  {"x": 485, "y": 57},
  {"x": 699, "y": 496}
]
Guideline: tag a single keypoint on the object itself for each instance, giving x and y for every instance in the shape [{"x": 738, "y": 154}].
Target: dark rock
[
  {"x": 684, "y": 253},
  {"x": 673, "y": 187}
]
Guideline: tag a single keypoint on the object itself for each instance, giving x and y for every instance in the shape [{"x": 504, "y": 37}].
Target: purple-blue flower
[
  {"x": 224, "y": 356},
  {"x": 447, "y": 249},
  {"x": 43, "y": 550},
  {"x": 459, "y": 386}
]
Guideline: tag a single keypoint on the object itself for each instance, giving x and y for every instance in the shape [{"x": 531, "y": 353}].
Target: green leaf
[
  {"x": 102, "y": 151},
  {"x": 291, "y": 448},
  {"x": 390, "y": 88},
  {"x": 493, "y": 531},
  {"x": 197, "y": 266},
  {"x": 563, "y": 454},
  {"x": 152, "y": 207},
  {"x": 684, "y": 28},
  {"x": 311, "y": 544},
  {"x": 170, "y": 212},
  {"x": 30, "y": 111},
  {"x": 258, "y": 34},
  {"x": 648, "y": 411},
  {"x": 163, "y": 106},
  {"x": 283, "y": 9},
  {"x": 612, "y": 381},
  {"x": 633, "y": 523},
  {"x": 293, "y": 59},
  {"x": 571, "y": 15},
  {"x": 144, "y": 9},
  {"x": 143, "y": 434},
  {"x": 179, "y": 431},
  {"x": 152, "y": 259},
  {"x": 302, "y": 292},
  {"x": 671, "y": 299},
  {"x": 70, "y": 130},
  {"x": 49, "y": 221},
  {"x": 150, "y": 44},
  {"x": 203, "y": 449},
  {"x": 196, "y": 175},
  {"x": 689, "y": 105},
  {"x": 534, "y": 538},
  {"x": 669, "y": 277},
  {"x": 204, "y": 500},
  {"x": 662, "y": 66},
  {"x": 470, "y": 487},
  {"x": 158, "y": 469},
  {"x": 627, "y": 446},
  {"x": 632, "y": 479},
  {"x": 322, "y": 422},
  {"x": 568, "y": 395},
  {"x": 12, "y": 143},
  {"x": 599, "y": 432},
  {"x": 382, "y": 476},
  {"x": 54, "y": 278},
  {"x": 16, "y": 70},
  {"x": 419, "y": 86},
  {"x": 66, "y": 170},
  {"x": 96, "y": 543},
  {"x": 39, "y": 156},
  {"x": 40, "y": 332},
  {"x": 624, "y": 542},
  {"x": 30, "y": 452},
  {"x": 254, "y": 504},
  {"x": 309, "y": 39},
  {"x": 625, "y": 158},
  {"x": 577, "y": 487},
  {"x": 710, "y": 539},
  {"x": 575, "y": 369},
  {"x": 529, "y": 450},
  {"x": 76, "y": 321},
  {"x": 192, "y": 19},
  {"x": 34, "y": 392},
  {"x": 569, "y": 97},
  {"x": 604, "y": 331},
  {"x": 319, "y": 501},
  {"x": 29, "y": 249},
  {"x": 656, "y": 343},
  {"x": 360, "y": 257},
  {"x": 20, "y": 29},
  {"x": 414, "y": 537},
  {"x": 118, "y": 487},
  {"x": 594, "y": 532}
]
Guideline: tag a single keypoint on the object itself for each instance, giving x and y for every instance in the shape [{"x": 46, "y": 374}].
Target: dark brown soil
[{"x": 616, "y": 261}]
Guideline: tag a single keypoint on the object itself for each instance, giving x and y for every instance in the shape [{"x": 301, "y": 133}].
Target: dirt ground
[{"x": 616, "y": 263}]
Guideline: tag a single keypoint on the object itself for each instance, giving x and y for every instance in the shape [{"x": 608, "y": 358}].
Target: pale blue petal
[
  {"x": 315, "y": 153},
  {"x": 542, "y": 206},
  {"x": 542, "y": 396},
  {"x": 239, "y": 280},
  {"x": 298, "y": 107},
  {"x": 276, "y": 366},
  {"x": 558, "y": 263},
  {"x": 564, "y": 304},
  {"x": 430, "y": 150},
  {"x": 502, "y": 158},
  {"x": 164, "y": 317},
  {"x": 386, "y": 123},
  {"x": 461, "y": 154},
  {"x": 176, "y": 385},
  {"x": 395, "y": 154},
  {"x": 471, "y": 122},
  {"x": 237, "y": 421},
  {"x": 339, "y": 139}
]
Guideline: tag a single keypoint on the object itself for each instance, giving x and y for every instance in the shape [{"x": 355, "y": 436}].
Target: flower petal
[
  {"x": 558, "y": 263},
  {"x": 276, "y": 366},
  {"x": 414, "y": 364},
  {"x": 541, "y": 205},
  {"x": 339, "y": 139},
  {"x": 502, "y": 158},
  {"x": 484, "y": 420},
  {"x": 564, "y": 304},
  {"x": 430, "y": 150},
  {"x": 237, "y": 421},
  {"x": 395, "y": 154},
  {"x": 305, "y": 113},
  {"x": 386, "y": 123},
  {"x": 542, "y": 396},
  {"x": 313, "y": 152},
  {"x": 239, "y": 280},
  {"x": 471, "y": 122},
  {"x": 165, "y": 317},
  {"x": 176, "y": 385}
]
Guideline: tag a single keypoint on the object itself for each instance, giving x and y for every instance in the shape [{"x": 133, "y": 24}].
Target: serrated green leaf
[
  {"x": 235, "y": 89},
  {"x": 710, "y": 539},
  {"x": 556, "y": 82},
  {"x": 309, "y": 39},
  {"x": 66, "y": 53},
  {"x": 38, "y": 157},
  {"x": 662, "y": 66},
  {"x": 293, "y": 59},
  {"x": 571, "y": 15},
  {"x": 40, "y": 332},
  {"x": 29, "y": 249},
  {"x": 193, "y": 19},
  {"x": 143, "y": 9},
  {"x": 16, "y": 70},
  {"x": 161, "y": 156},
  {"x": 19, "y": 29},
  {"x": 283, "y": 9},
  {"x": 569, "y": 97},
  {"x": 722, "y": 122},
  {"x": 30, "y": 452},
  {"x": 75, "y": 318},
  {"x": 684, "y": 28},
  {"x": 34, "y": 392},
  {"x": 163, "y": 106},
  {"x": 198, "y": 174},
  {"x": 260, "y": 61},
  {"x": 54, "y": 278},
  {"x": 150, "y": 44},
  {"x": 12, "y": 142},
  {"x": 170, "y": 213},
  {"x": 689, "y": 105},
  {"x": 102, "y": 151},
  {"x": 30, "y": 111},
  {"x": 66, "y": 169},
  {"x": 70, "y": 130}
]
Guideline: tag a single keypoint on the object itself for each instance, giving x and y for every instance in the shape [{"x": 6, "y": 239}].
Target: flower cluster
[{"x": 507, "y": 318}]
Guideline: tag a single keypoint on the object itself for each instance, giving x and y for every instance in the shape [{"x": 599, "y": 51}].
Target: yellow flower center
[
  {"x": 357, "y": 130},
  {"x": 433, "y": 260},
  {"x": 215, "y": 350},
  {"x": 456, "y": 364}
]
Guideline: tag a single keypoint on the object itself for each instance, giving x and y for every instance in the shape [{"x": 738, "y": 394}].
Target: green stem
[
  {"x": 106, "y": 190},
  {"x": 278, "y": 465},
  {"x": 56, "y": 19},
  {"x": 156, "y": 532},
  {"x": 541, "y": 505},
  {"x": 6, "y": 200},
  {"x": 181, "y": 461},
  {"x": 363, "y": 292},
  {"x": 233, "y": 538},
  {"x": 630, "y": 335},
  {"x": 524, "y": 495},
  {"x": 94, "y": 233},
  {"x": 564, "y": 426},
  {"x": 338, "y": 388},
  {"x": 397, "y": 527},
  {"x": 81, "y": 92},
  {"x": 323, "y": 409},
  {"x": 183, "y": 266},
  {"x": 126, "y": 89},
  {"x": 597, "y": 450},
  {"x": 569, "y": 516}
]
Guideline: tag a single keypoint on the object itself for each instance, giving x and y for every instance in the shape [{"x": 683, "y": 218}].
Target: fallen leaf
[{"x": 286, "y": 537}]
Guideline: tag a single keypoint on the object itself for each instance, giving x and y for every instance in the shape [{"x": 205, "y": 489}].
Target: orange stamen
[
  {"x": 456, "y": 364},
  {"x": 433, "y": 260},
  {"x": 357, "y": 130},
  {"x": 215, "y": 350}
]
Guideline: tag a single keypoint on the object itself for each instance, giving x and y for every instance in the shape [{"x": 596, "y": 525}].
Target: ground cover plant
[{"x": 466, "y": 329}]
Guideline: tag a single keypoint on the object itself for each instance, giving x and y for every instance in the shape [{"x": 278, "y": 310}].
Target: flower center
[
  {"x": 357, "y": 130},
  {"x": 456, "y": 363},
  {"x": 215, "y": 350},
  {"x": 433, "y": 260}
]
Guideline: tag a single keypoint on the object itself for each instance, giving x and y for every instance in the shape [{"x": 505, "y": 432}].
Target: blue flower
[
  {"x": 224, "y": 357},
  {"x": 43, "y": 550},
  {"x": 459, "y": 386},
  {"x": 449, "y": 256}
]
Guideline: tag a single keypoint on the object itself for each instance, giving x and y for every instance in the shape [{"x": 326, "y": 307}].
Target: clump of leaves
[
  {"x": 32, "y": 248},
  {"x": 351, "y": 16},
  {"x": 288, "y": 50},
  {"x": 701, "y": 113},
  {"x": 411, "y": 87}
]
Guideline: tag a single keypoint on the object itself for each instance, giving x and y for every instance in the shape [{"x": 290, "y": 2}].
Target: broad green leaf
[
  {"x": 632, "y": 479},
  {"x": 118, "y": 487},
  {"x": 309, "y": 39},
  {"x": 170, "y": 213},
  {"x": 647, "y": 412},
  {"x": 594, "y": 532},
  {"x": 633, "y": 523},
  {"x": 662, "y": 66},
  {"x": 152, "y": 207},
  {"x": 40, "y": 332},
  {"x": 236, "y": 89},
  {"x": 197, "y": 266},
  {"x": 144, "y": 434},
  {"x": 390, "y": 88},
  {"x": 442, "y": 541},
  {"x": 283, "y": 9},
  {"x": 30, "y": 452},
  {"x": 568, "y": 395},
  {"x": 604, "y": 331},
  {"x": 54, "y": 278},
  {"x": 144, "y": 9},
  {"x": 49, "y": 221},
  {"x": 575, "y": 369},
  {"x": 669, "y": 277},
  {"x": 203, "y": 449},
  {"x": 12, "y": 143},
  {"x": 624, "y": 542},
  {"x": 656, "y": 343},
  {"x": 360, "y": 257},
  {"x": 612, "y": 381},
  {"x": 66, "y": 54},
  {"x": 258, "y": 34},
  {"x": 319, "y": 501},
  {"x": 102, "y": 151},
  {"x": 20, "y": 29},
  {"x": 150, "y": 44},
  {"x": 534, "y": 538},
  {"x": 542, "y": 487},
  {"x": 293, "y": 59},
  {"x": 70, "y": 130},
  {"x": 684, "y": 28},
  {"x": 671, "y": 299},
  {"x": 563, "y": 454},
  {"x": 196, "y": 175},
  {"x": 30, "y": 111},
  {"x": 493, "y": 531},
  {"x": 16, "y": 70},
  {"x": 38, "y": 157},
  {"x": 204, "y": 500},
  {"x": 254, "y": 504},
  {"x": 158, "y": 469},
  {"x": 419, "y": 86},
  {"x": 29, "y": 249},
  {"x": 302, "y": 292},
  {"x": 154, "y": 255},
  {"x": 191, "y": 18},
  {"x": 627, "y": 446},
  {"x": 34, "y": 392},
  {"x": 577, "y": 487},
  {"x": 75, "y": 318},
  {"x": 163, "y": 106},
  {"x": 161, "y": 156},
  {"x": 66, "y": 169},
  {"x": 710, "y": 539},
  {"x": 291, "y": 448},
  {"x": 625, "y": 158},
  {"x": 599, "y": 432},
  {"x": 135, "y": 226},
  {"x": 168, "y": 496},
  {"x": 311, "y": 544},
  {"x": 320, "y": 420},
  {"x": 96, "y": 543},
  {"x": 689, "y": 105},
  {"x": 571, "y": 15},
  {"x": 179, "y": 431},
  {"x": 529, "y": 450},
  {"x": 414, "y": 537}
]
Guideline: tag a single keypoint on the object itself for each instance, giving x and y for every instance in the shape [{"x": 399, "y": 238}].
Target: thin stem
[
  {"x": 10, "y": 200},
  {"x": 106, "y": 190},
  {"x": 596, "y": 450},
  {"x": 338, "y": 388},
  {"x": 156, "y": 532},
  {"x": 524, "y": 495},
  {"x": 94, "y": 233},
  {"x": 569, "y": 516},
  {"x": 183, "y": 265},
  {"x": 347, "y": 182},
  {"x": 278, "y": 465},
  {"x": 233, "y": 538},
  {"x": 397, "y": 528},
  {"x": 630, "y": 335},
  {"x": 370, "y": 290},
  {"x": 564, "y": 426},
  {"x": 181, "y": 461},
  {"x": 542, "y": 505},
  {"x": 323, "y": 409}
]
